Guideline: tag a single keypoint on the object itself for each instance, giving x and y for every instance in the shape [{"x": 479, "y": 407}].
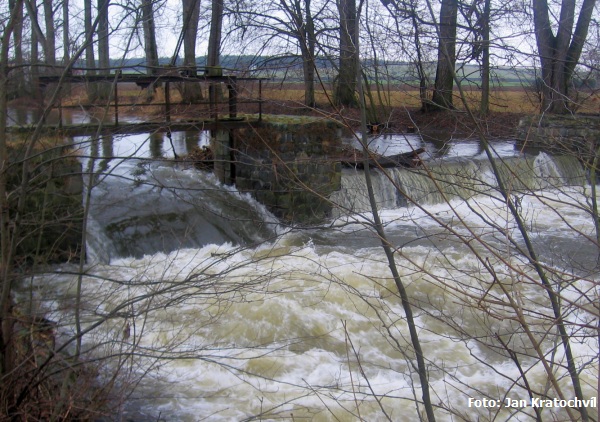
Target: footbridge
[{"x": 226, "y": 94}]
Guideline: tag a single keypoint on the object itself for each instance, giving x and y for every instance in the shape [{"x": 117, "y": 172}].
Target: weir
[
  {"x": 291, "y": 165},
  {"x": 441, "y": 181}
]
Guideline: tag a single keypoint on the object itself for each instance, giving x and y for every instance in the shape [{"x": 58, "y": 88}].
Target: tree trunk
[
  {"x": 65, "y": 34},
  {"x": 308, "y": 59},
  {"x": 484, "y": 107},
  {"x": 104, "y": 88},
  {"x": 17, "y": 76},
  {"x": 444, "y": 76},
  {"x": 345, "y": 86},
  {"x": 50, "y": 44},
  {"x": 34, "y": 55},
  {"x": 214, "y": 40},
  {"x": 192, "y": 91},
  {"x": 150, "y": 46},
  {"x": 214, "y": 50},
  {"x": 421, "y": 73},
  {"x": 560, "y": 53},
  {"x": 308, "y": 70},
  {"x": 90, "y": 61}
]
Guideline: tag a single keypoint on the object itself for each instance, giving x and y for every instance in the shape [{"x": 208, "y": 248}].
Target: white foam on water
[{"x": 282, "y": 340}]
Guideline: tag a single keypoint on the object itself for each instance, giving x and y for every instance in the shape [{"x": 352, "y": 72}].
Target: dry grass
[
  {"x": 505, "y": 100},
  {"x": 289, "y": 99},
  {"x": 128, "y": 94}
]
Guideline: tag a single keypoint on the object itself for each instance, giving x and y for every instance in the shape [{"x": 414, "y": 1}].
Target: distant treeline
[{"x": 284, "y": 68}]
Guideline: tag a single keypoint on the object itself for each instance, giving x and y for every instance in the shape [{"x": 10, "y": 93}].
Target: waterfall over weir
[
  {"x": 142, "y": 205},
  {"x": 165, "y": 209},
  {"x": 458, "y": 178}
]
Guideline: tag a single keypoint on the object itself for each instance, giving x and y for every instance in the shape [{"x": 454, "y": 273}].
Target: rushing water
[{"x": 308, "y": 324}]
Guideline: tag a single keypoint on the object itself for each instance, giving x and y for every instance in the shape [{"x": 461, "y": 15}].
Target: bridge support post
[
  {"x": 232, "y": 88},
  {"x": 167, "y": 104},
  {"x": 221, "y": 143},
  {"x": 60, "y": 114},
  {"x": 116, "y": 94}
]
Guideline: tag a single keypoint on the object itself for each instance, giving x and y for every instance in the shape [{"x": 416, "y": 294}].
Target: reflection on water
[
  {"x": 183, "y": 142},
  {"x": 23, "y": 116},
  {"x": 436, "y": 145},
  {"x": 398, "y": 143},
  {"x": 126, "y": 150}
]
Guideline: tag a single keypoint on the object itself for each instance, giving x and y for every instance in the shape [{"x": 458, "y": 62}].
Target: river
[{"x": 214, "y": 310}]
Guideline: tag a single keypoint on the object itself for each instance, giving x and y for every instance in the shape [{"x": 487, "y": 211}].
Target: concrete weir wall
[
  {"x": 288, "y": 164},
  {"x": 569, "y": 134}
]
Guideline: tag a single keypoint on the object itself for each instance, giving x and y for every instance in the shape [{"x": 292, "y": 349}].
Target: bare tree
[
  {"x": 6, "y": 331},
  {"x": 484, "y": 108},
  {"x": 559, "y": 53},
  {"x": 300, "y": 27},
  {"x": 410, "y": 11},
  {"x": 432, "y": 288},
  {"x": 389, "y": 253}
]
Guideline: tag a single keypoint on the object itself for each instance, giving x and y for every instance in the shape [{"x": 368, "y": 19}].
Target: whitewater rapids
[{"x": 310, "y": 326}]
